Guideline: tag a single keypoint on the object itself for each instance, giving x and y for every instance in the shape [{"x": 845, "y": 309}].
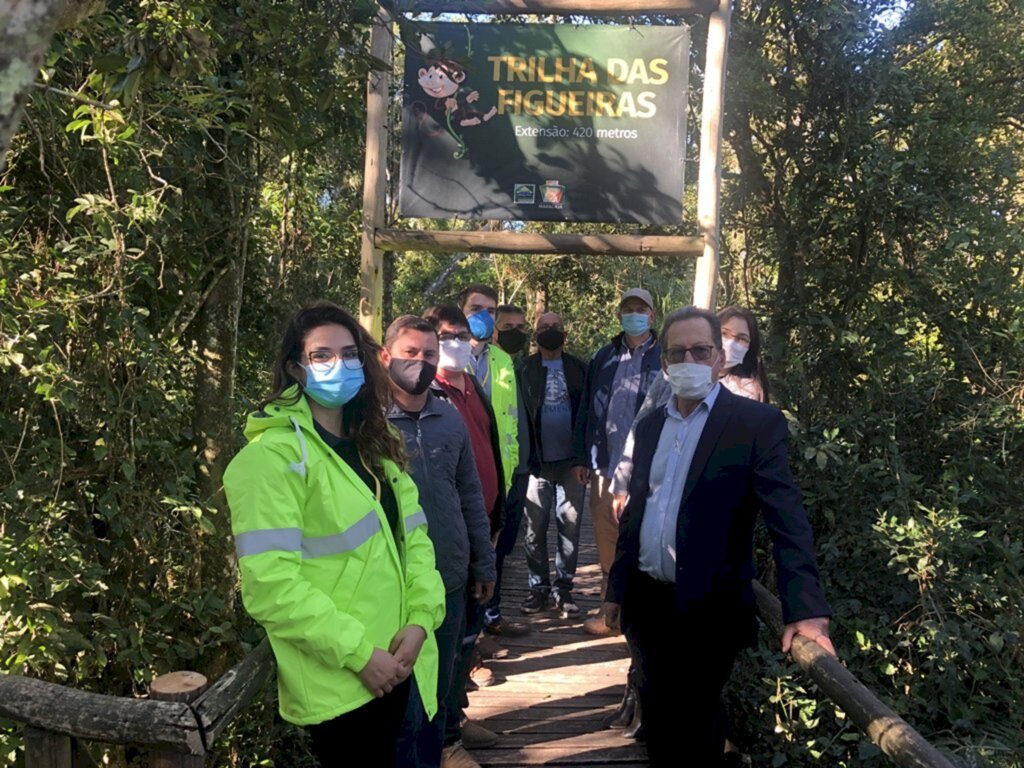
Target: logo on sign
[
  {"x": 552, "y": 194},
  {"x": 525, "y": 194}
]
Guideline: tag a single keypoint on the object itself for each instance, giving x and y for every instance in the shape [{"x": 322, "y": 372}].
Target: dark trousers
[
  {"x": 515, "y": 502},
  {"x": 681, "y": 672},
  {"x": 421, "y": 741},
  {"x": 457, "y": 699},
  {"x": 374, "y": 726}
]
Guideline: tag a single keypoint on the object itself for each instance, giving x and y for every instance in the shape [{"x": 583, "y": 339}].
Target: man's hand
[
  {"x": 582, "y": 475},
  {"x": 381, "y": 673},
  {"x": 483, "y": 591},
  {"x": 612, "y": 615},
  {"x": 406, "y": 648},
  {"x": 813, "y": 629},
  {"x": 618, "y": 506}
]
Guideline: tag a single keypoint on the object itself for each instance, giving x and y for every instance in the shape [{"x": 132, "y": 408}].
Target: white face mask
[
  {"x": 454, "y": 355},
  {"x": 690, "y": 381},
  {"x": 735, "y": 351}
]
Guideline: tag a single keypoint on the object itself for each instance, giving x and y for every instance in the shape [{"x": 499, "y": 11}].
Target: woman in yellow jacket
[{"x": 332, "y": 544}]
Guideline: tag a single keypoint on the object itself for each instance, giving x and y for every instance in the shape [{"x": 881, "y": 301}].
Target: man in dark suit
[{"x": 705, "y": 464}]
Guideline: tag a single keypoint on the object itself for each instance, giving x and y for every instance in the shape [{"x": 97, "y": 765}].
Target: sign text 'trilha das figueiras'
[{"x": 544, "y": 122}]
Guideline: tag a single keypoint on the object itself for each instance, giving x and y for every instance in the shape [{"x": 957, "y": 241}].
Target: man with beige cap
[{"x": 618, "y": 378}]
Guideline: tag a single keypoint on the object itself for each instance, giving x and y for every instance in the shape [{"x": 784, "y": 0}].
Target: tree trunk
[{"x": 26, "y": 27}]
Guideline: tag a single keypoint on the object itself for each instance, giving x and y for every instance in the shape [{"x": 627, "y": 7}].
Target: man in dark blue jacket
[
  {"x": 442, "y": 466},
  {"x": 618, "y": 377},
  {"x": 704, "y": 466}
]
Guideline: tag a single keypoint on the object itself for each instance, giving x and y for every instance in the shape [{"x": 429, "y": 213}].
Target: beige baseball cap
[{"x": 638, "y": 293}]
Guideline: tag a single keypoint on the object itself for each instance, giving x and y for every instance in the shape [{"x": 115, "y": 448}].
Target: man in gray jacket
[{"x": 442, "y": 466}]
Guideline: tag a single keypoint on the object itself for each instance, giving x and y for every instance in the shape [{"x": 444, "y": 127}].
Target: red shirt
[{"x": 478, "y": 424}]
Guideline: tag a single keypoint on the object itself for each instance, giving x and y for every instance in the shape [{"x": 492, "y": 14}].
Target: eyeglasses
[
  {"x": 463, "y": 336},
  {"x": 740, "y": 337},
  {"x": 325, "y": 359},
  {"x": 700, "y": 353}
]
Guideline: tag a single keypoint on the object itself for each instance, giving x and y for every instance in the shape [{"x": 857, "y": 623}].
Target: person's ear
[
  {"x": 385, "y": 356},
  {"x": 458, "y": 77},
  {"x": 422, "y": 72},
  {"x": 296, "y": 371}
]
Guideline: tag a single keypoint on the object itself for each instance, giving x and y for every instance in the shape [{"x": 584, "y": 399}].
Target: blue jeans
[
  {"x": 514, "y": 503},
  {"x": 554, "y": 486},
  {"x": 420, "y": 742}
]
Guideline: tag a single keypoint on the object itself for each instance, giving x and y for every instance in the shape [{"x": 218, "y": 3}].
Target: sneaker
[
  {"x": 538, "y": 600},
  {"x": 475, "y": 736},
  {"x": 456, "y": 756},
  {"x": 566, "y": 605},
  {"x": 503, "y": 628}
]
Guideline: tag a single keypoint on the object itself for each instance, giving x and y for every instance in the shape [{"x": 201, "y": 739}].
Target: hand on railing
[{"x": 815, "y": 629}]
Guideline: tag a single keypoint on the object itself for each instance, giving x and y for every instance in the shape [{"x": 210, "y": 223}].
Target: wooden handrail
[
  {"x": 164, "y": 726},
  {"x": 890, "y": 732},
  {"x": 167, "y": 725},
  {"x": 447, "y": 241}
]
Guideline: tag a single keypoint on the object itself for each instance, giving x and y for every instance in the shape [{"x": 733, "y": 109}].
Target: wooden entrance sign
[{"x": 376, "y": 238}]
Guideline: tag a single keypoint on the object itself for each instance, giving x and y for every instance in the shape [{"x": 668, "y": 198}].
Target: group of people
[{"x": 383, "y": 487}]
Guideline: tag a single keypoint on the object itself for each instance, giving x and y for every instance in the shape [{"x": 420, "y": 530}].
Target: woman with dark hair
[
  {"x": 743, "y": 369},
  {"x": 332, "y": 544}
]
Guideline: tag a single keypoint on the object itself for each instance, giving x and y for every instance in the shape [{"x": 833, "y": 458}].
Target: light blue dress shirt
[{"x": 669, "y": 468}]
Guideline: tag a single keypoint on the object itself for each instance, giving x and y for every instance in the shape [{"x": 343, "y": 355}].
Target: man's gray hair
[{"x": 688, "y": 313}]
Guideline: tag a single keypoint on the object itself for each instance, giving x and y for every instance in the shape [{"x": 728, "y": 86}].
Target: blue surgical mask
[
  {"x": 335, "y": 386},
  {"x": 481, "y": 325},
  {"x": 636, "y": 323}
]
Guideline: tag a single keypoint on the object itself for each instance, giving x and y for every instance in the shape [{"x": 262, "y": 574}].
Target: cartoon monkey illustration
[{"x": 442, "y": 79}]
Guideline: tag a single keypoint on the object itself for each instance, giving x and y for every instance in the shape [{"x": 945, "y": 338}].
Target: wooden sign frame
[{"x": 376, "y": 238}]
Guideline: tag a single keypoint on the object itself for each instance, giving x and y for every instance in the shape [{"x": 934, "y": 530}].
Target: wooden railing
[
  {"x": 182, "y": 718},
  {"x": 177, "y": 724},
  {"x": 897, "y": 739}
]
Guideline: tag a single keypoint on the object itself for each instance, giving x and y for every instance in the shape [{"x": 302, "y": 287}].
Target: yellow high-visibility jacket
[{"x": 320, "y": 567}]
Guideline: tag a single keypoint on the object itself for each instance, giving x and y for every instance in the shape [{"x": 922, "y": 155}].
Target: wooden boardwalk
[{"x": 560, "y": 682}]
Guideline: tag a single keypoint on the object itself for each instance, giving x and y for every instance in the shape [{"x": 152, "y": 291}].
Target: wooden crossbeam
[
  {"x": 537, "y": 243},
  {"x": 558, "y": 7}
]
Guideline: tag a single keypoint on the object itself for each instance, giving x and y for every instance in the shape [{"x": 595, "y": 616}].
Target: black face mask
[
  {"x": 414, "y": 376},
  {"x": 551, "y": 339},
  {"x": 512, "y": 341}
]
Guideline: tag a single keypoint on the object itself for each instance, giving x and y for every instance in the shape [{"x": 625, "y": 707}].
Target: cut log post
[
  {"x": 46, "y": 749},
  {"x": 893, "y": 735},
  {"x": 183, "y": 687},
  {"x": 537, "y": 243},
  {"x": 371, "y": 260},
  {"x": 709, "y": 183}
]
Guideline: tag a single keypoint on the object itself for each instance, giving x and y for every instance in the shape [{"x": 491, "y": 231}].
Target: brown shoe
[
  {"x": 456, "y": 756},
  {"x": 506, "y": 628},
  {"x": 489, "y": 648},
  {"x": 475, "y": 736},
  {"x": 483, "y": 677},
  {"x": 598, "y": 626}
]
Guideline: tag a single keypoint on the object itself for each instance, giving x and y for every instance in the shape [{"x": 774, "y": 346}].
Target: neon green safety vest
[
  {"x": 505, "y": 403},
  {"x": 320, "y": 568}
]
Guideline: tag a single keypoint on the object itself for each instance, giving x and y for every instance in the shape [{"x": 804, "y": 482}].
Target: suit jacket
[{"x": 740, "y": 467}]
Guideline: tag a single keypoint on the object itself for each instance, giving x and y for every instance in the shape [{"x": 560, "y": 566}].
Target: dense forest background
[{"x": 188, "y": 172}]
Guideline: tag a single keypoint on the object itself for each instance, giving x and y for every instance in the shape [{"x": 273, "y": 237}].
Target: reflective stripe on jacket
[{"x": 320, "y": 567}]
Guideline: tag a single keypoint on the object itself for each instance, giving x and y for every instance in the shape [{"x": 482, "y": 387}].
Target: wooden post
[
  {"x": 709, "y": 183},
  {"x": 371, "y": 263},
  {"x": 183, "y": 687},
  {"x": 45, "y": 749}
]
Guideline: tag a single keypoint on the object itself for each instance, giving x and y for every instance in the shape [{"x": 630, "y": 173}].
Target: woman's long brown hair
[
  {"x": 752, "y": 366},
  {"x": 364, "y": 417}
]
